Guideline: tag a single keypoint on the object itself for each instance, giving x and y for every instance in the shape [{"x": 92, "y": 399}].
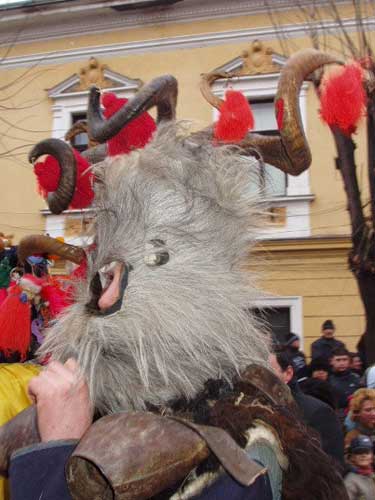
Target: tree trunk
[
  {"x": 361, "y": 257},
  {"x": 366, "y": 280},
  {"x": 366, "y": 285},
  {"x": 346, "y": 163}
]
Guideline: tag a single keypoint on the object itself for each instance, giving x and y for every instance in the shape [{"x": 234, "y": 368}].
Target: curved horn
[
  {"x": 288, "y": 151},
  {"x": 292, "y": 136},
  {"x": 95, "y": 154},
  {"x": 59, "y": 200},
  {"x": 207, "y": 79},
  {"x": 39, "y": 243},
  {"x": 160, "y": 92}
]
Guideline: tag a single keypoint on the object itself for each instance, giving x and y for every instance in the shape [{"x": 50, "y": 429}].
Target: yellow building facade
[{"x": 52, "y": 51}]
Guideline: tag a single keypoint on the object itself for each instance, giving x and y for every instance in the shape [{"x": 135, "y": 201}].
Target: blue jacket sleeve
[
  {"x": 227, "y": 488},
  {"x": 38, "y": 472}
]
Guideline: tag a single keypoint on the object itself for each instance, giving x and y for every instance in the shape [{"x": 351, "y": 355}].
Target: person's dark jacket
[
  {"x": 323, "y": 419},
  {"x": 323, "y": 347},
  {"x": 38, "y": 472},
  {"x": 344, "y": 384},
  {"x": 299, "y": 364},
  {"x": 321, "y": 390}
]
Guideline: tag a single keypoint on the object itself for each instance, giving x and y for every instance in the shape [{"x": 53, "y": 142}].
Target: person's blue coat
[{"x": 38, "y": 473}]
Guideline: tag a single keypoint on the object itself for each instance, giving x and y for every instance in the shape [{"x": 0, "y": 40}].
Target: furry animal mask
[{"x": 181, "y": 320}]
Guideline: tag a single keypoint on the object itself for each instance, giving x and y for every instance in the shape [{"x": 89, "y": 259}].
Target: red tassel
[
  {"x": 48, "y": 174},
  {"x": 3, "y": 295},
  {"x": 80, "y": 272},
  {"x": 56, "y": 297},
  {"x": 15, "y": 324},
  {"x": 135, "y": 135},
  {"x": 236, "y": 118},
  {"x": 343, "y": 99}
]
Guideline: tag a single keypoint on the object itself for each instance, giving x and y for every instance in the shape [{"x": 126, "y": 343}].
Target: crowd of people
[{"x": 335, "y": 394}]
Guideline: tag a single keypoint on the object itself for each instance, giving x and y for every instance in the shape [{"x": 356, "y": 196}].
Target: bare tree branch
[
  {"x": 337, "y": 18},
  {"x": 364, "y": 47}
]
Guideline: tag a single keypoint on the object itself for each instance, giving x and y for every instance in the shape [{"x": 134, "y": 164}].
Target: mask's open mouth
[{"x": 108, "y": 288}]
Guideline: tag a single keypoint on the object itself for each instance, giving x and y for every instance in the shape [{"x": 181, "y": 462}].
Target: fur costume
[{"x": 161, "y": 322}]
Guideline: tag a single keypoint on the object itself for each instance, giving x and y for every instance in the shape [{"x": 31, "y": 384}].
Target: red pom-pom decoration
[
  {"x": 48, "y": 175},
  {"x": 135, "y": 135},
  {"x": 15, "y": 323},
  {"x": 343, "y": 99},
  {"x": 236, "y": 118},
  {"x": 56, "y": 297}
]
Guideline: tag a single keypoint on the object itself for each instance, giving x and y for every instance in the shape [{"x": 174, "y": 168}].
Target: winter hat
[
  {"x": 360, "y": 444},
  {"x": 319, "y": 364},
  {"x": 290, "y": 338},
  {"x": 328, "y": 325}
]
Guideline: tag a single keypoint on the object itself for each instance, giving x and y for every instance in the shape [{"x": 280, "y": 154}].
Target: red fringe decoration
[
  {"x": 80, "y": 272},
  {"x": 135, "y": 135},
  {"x": 343, "y": 99},
  {"x": 15, "y": 324},
  {"x": 3, "y": 295},
  {"x": 56, "y": 297},
  {"x": 236, "y": 118},
  {"x": 48, "y": 174}
]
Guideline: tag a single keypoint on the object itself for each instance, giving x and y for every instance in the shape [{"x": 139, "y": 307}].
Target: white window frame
[
  {"x": 298, "y": 198},
  {"x": 295, "y": 305}
]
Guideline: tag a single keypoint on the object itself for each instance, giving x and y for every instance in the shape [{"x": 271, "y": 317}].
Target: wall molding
[
  {"x": 97, "y": 17},
  {"x": 169, "y": 44}
]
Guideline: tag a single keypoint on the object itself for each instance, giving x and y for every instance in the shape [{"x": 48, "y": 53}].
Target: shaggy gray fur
[{"x": 184, "y": 322}]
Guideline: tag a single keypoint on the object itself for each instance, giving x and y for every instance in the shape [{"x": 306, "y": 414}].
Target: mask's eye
[{"x": 156, "y": 253}]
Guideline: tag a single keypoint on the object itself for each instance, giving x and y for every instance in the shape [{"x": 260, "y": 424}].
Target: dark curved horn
[
  {"x": 292, "y": 136},
  {"x": 39, "y": 243},
  {"x": 288, "y": 151},
  {"x": 95, "y": 154},
  {"x": 160, "y": 92},
  {"x": 59, "y": 200}
]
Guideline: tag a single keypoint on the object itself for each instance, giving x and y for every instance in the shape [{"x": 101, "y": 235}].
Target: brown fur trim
[{"x": 311, "y": 474}]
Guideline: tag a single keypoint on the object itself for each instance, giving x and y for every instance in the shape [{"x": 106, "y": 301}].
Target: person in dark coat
[
  {"x": 343, "y": 381},
  {"x": 319, "y": 389},
  {"x": 356, "y": 364},
  {"x": 39, "y": 473},
  {"x": 323, "y": 347},
  {"x": 314, "y": 412},
  {"x": 293, "y": 342},
  {"x": 360, "y": 481},
  {"x": 64, "y": 414},
  {"x": 320, "y": 369}
]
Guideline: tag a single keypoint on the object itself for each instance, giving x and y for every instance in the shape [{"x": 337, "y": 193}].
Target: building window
[
  {"x": 280, "y": 315},
  {"x": 276, "y": 321},
  {"x": 80, "y": 141},
  {"x": 288, "y": 196},
  {"x": 272, "y": 181}
]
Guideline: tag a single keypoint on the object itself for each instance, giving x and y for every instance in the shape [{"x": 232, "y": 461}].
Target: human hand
[{"x": 62, "y": 399}]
